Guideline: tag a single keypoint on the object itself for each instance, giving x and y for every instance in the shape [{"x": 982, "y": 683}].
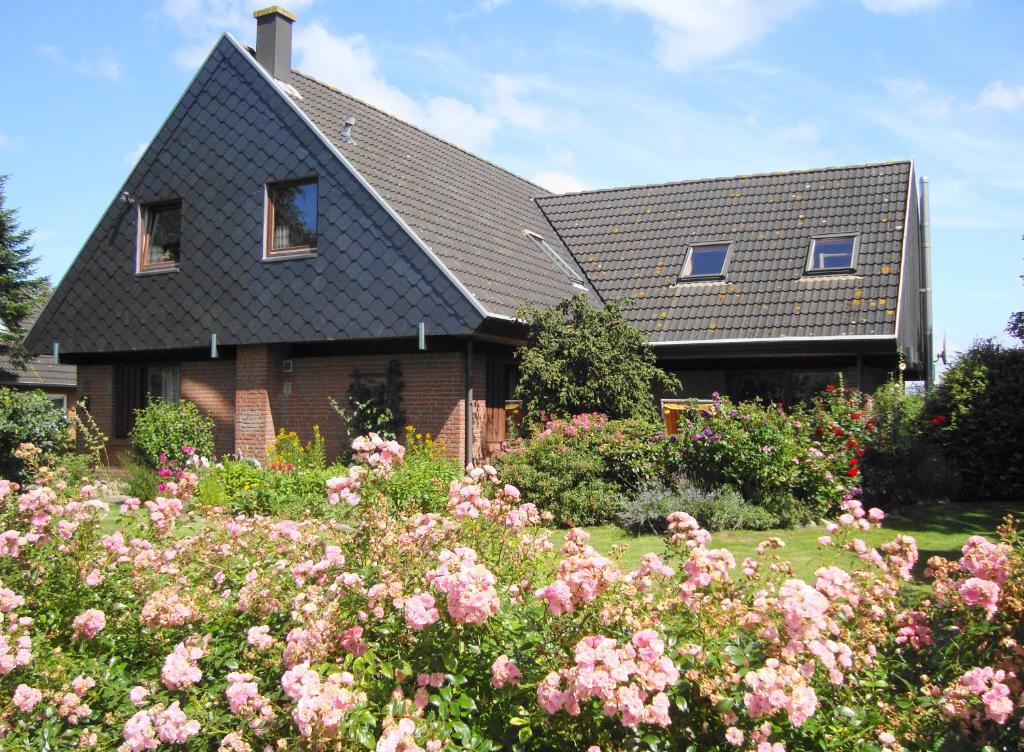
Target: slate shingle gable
[{"x": 231, "y": 133}]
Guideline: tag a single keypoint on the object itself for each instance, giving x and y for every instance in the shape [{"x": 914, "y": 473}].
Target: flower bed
[{"x": 462, "y": 629}]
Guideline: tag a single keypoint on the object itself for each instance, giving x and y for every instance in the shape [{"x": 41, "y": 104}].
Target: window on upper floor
[
  {"x": 291, "y": 218},
  {"x": 705, "y": 261},
  {"x": 159, "y": 237},
  {"x": 574, "y": 276},
  {"x": 832, "y": 255}
]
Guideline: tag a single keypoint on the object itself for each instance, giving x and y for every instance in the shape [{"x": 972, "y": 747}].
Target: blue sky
[{"x": 572, "y": 94}]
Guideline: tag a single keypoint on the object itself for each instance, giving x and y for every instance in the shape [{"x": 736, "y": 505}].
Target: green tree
[
  {"x": 579, "y": 359},
  {"x": 20, "y": 289}
]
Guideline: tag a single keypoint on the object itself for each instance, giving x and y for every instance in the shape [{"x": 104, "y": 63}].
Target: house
[
  {"x": 279, "y": 236},
  {"x": 57, "y": 380}
]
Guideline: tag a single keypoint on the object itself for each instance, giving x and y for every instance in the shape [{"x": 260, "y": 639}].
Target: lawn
[{"x": 939, "y": 528}]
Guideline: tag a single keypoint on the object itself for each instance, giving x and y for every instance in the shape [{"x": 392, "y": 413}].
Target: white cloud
[
  {"x": 506, "y": 100},
  {"x": 999, "y": 96},
  {"x": 976, "y": 164},
  {"x": 559, "y": 182},
  {"x": 201, "y": 22},
  {"x": 4, "y": 141},
  {"x": 135, "y": 154},
  {"x": 693, "y": 32},
  {"x": 349, "y": 63},
  {"x": 919, "y": 97},
  {"x": 798, "y": 133},
  {"x": 487, "y": 6},
  {"x": 900, "y": 6},
  {"x": 103, "y": 64}
]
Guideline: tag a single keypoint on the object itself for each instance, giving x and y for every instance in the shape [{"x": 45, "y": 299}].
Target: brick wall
[
  {"x": 96, "y": 385},
  {"x": 251, "y": 398},
  {"x": 257, "y": 382},
  {"x": 432, "y": 399},
  {"x": 211, "y": 385}
]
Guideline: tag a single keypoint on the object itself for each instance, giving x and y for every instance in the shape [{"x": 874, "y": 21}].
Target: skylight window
[
  {"x": 573, "y": 275},
  {"x": 705, "y": 261},
  {"x": 832, "y": 255}
]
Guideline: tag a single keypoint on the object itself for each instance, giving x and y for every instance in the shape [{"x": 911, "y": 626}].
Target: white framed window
[
  {"x": 705, "y": 261},
  {"x": 832, "y": 254},
  {"x": 60, "y": 401}
]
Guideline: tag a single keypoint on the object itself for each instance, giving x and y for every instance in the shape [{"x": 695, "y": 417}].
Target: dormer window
[
  {"x": 291, "y": 218},
  {"x": 705, "y": 261},
  {"x": 832, "y": 255},
  {"x": 566, "y": 269},
  {"x": 159, "y": 237}
]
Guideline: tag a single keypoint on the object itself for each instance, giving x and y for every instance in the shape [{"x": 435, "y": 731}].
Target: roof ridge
[
  {"x": 425, "y": 132},
  {"x": 742, "y": 176}
]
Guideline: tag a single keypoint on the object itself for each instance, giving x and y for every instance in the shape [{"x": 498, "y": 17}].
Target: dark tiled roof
[
  {"x": 41, "y": 372},
  {"x": 631, "y": 242},
  {"x": 232, "y": 132},
  {"x": 468, "y": 211}
]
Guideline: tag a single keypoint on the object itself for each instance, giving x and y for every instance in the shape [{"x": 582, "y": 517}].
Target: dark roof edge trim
[
  {"x": 120, "y": 191},
  {"x": 903, "y": 248},
  {"x": 363, "y": 181},
  {"x": 747, "y": 340}
]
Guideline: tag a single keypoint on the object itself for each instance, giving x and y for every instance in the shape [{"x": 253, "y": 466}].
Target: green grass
[{"x": 939, "y": 528}]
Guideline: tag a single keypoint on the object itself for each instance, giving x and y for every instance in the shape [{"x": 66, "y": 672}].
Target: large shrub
[
  {"x": 796, "y": 466},
  {"x": 28, "y": 417},
  {"x": 903, "y": 463},
  {"x": 463, "y": 630},
  {"x": 978, "y": 409},
  {"x": 163, "y": 429},
  {"x": 580, "y": 359},
  {"x": 582, "y": 470}
]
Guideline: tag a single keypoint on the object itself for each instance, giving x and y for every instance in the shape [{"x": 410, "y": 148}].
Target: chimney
[{"x": 274, "y": 41}]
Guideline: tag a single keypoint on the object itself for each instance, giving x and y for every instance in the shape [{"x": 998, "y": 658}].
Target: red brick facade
[
  {"x": 211, "y": 385},
  {"x": 251, "y": 397}
]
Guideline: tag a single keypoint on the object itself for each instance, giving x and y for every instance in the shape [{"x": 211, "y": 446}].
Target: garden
[{"x": 765, "y": 579}]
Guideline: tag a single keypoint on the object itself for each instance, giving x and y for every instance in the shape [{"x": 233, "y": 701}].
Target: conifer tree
[{"x": 21, "y": 290}]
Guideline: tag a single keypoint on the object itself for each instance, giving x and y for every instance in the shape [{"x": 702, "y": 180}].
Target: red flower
[
  {"x": 837, "y": 430},
  {"x": 859, "y": 452},
  {"x": 830, "y": 388},
  {"x": 853, "y": 461},
  {"x": 851, "y": 443},
  {"x": 853, "y": 472},
  {"x": 939, "y": 420},
  {"x": 820, "y": 431},
  {"x": 855, "y": 416}
]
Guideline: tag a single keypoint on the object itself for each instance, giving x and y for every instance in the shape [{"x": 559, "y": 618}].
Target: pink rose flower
[
  {"x": 26, "y": 697},
  {"x": 89, "y": 623}
]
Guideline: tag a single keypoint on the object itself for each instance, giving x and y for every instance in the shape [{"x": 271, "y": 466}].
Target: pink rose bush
[{"x": 462, "y": 623}]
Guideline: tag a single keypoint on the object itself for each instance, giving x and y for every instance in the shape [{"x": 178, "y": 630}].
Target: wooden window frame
[
  {"x": 143, "y": 239},
  {"x": 269, "y": 252}
]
